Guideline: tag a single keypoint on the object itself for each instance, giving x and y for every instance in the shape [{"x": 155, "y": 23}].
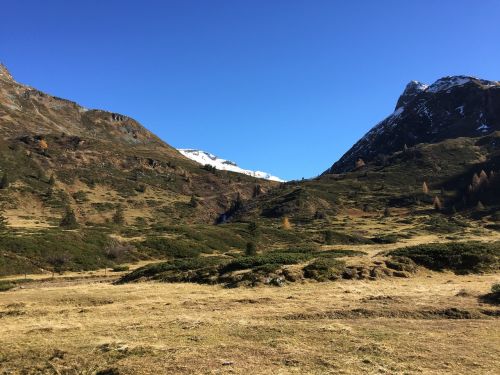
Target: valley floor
[{"x": 432, "y": 323}]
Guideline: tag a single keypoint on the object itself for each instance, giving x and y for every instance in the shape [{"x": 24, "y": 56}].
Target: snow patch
[
  {"x": 483, "y": 128},
  {"x": 447, "y": 83},
  {"x": 204, "y": 158},
  {"x": 419, "y": 86}
]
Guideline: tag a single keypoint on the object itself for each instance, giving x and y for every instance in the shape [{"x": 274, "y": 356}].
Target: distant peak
[
  {"x": 203, "y": 158},
  {"x": 4, "y": 73}
]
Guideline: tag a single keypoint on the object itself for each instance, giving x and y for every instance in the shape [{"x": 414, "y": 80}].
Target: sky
[{"x": 284, "y": 86}]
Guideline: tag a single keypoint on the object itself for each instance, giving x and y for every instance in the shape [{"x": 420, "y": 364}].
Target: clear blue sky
[{"x": 284, "y": 86}]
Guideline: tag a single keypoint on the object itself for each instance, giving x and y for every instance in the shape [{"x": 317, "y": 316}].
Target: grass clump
[{"x": 460, "y": 257}]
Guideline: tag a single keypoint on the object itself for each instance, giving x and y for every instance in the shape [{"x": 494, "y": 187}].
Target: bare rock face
[{"x": 452, "y": 107}]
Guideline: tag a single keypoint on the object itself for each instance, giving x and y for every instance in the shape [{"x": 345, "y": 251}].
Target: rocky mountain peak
[
  {"x": 412, "y": 89},
  {"x": 452, "y": 107}
]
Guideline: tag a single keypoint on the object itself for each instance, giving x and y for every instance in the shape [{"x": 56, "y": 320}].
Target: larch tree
[
  {"x": 286, "y": 223},
  {"x": 438, "y": 206},
  {"x": 425, "y": 188}
]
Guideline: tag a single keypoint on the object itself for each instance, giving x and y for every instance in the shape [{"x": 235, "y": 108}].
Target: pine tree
[
  {"x": 193, "y": 202},
  {"x": 69, "y": 219},
  {"x": 253, "y": 228},
  {"x": 52, "y": 180},
  {"x": 4, "y": 182},
  {"x": 3, "y": 221},
  {"x": 119, "y": 217},
  {"x": 328, "y": 237},
  {"x": 251, "y": 249},
  {"x": 387, "y": 212},
  {"x": 257, "y": 190}
]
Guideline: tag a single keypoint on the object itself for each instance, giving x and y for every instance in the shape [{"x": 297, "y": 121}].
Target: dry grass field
[{"x": 431, "y": 323}]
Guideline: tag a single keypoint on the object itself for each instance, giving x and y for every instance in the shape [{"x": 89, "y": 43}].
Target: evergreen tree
[
  {"x": 69, "y": 219},
  {"x": 4, "y": 182},
  {"x": 251, "y": 249},
  {"x": 193, "y": 202},
  {"x": 119, "y": 217},
  {"x": 257, "y": 190},
  {"x": 3, "y": 221},
  {"x": 328, "y": 237},
  {"x": 52, "y": 180}
]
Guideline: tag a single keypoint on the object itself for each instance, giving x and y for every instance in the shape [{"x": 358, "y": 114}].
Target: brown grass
[{"x": 391, "y": 326}]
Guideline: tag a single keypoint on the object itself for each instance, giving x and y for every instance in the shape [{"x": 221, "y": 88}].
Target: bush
[
  {"x": 278, "y": 258},
  {"x": 29, "y": 253},
  {"x": 323, "y": 269},
  {"x": 69, "y": 220},
  {"x": 172, "y": 248},
  {"x": 120, "y": 268},
  {"x": 251, "y": 249},
  {"x": 460, "y": 257},
  {"x": 5, "y": 285},
  {"x": 333, "y": 237}
]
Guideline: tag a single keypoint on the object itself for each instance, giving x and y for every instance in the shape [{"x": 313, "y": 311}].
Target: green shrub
[
  {"x": 460, "y": 257},
  {"x": 333, "y": 237},
  {"x": 5, "y": 285},
  {"x": 277, "y": 258},
  {"x": 120, "y": 268},
  {"x": 83, "y": 249},
  {"x": 172, "y": 248},
  {"x": 251, "y": 249},
  {"x": 495, "y": 288},
  {"x": 323, "y": 269}
]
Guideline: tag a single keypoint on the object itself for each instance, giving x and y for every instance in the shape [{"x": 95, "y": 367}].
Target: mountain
[
  {"x": 99, "y": 160},
  {"x": 446, "y": 135},
  {"x": 205, "y": 158},
  {"x": 452, "y": 107}
]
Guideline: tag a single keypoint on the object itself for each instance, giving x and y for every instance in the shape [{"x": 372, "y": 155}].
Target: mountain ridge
[{"x": 453, "y": 106}]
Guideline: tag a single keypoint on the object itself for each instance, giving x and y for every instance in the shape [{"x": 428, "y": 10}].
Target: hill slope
[
  {"x": 99, "y": 160},
  {"x": 446, "y": 135}
]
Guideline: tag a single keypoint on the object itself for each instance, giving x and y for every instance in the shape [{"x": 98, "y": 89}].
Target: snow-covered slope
[{"x": 205, "y": 158}]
